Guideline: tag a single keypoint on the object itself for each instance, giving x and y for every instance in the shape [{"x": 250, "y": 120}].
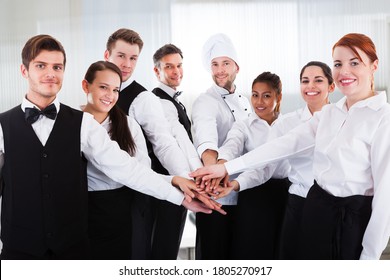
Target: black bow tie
[
  {"x": 32, "y": 114},
  {"x": 177, "y": 94}
]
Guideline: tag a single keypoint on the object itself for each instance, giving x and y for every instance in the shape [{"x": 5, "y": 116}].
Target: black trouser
[
  {"x": 142, "y": 222},
  {"x": 214, "y": 234},
  {"x": 109, "y": 224},
  {"x": 260, "y": 212},
  {"x": 168, "y": 229},
  {"x": 333, "y": 227},
  {"x": 290, "y": 236}
]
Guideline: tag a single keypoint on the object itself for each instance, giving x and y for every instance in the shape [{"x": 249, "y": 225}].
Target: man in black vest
[
  {"x": 123, "y": 49},
  {"x": 44, "y": 148},
  {"x": 170, "y": 219}
]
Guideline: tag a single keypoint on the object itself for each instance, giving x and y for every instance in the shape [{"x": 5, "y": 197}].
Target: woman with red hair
[{"x": 346, "y": 213}]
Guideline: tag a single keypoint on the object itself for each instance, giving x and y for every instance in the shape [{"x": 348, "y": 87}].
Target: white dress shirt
[
  {"x": 106, "y": 155},
  {"x": 177, "y": 129},
  {"x": 99, "y": 181},
  {"x": 351, "y": 157},
  {"x": 146, "y": 109},
  {"x": 213, "y": 115},
  {"x": 244, "y": 136},
  {"x": 301, "y": 173}
]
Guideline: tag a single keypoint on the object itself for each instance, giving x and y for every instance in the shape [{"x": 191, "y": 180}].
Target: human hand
[
  {"x": 222, "y": 191},
  {"x": 196, "y": 205},
  {"x": 209, "y": 202},
  {"x": 206, "y": 173},
  {"x": 186, "y": 186}
]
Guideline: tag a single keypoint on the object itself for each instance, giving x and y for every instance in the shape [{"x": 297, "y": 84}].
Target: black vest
[
  {"x": 126, "y": 97},
  {"x": 128, "y": 94},
  {"x": 183, "y": 118},
  {"x": 44, "y": 204}
]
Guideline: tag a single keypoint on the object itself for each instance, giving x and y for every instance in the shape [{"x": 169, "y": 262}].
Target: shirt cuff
[
  {"x": 225, "y": 156},
  {"x": 206, "y": 146},
  {"x": 175, "y": 196},
  {"x": 243, "y": 183},
  {"x": 235, "y": 166}
]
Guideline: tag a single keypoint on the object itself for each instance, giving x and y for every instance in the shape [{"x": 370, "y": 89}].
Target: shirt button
[
  {"x": 44, "y": 155},
  {"x": 49, "y": 235},
  {"x": 246, "y": 109},
  {"x": 232, "y": 111},
  {"x": 45, "y": 176}
]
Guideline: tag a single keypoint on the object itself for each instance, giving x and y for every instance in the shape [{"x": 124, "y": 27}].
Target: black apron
[
  {"x": 333, "y": 227},
  {"x": 110, "y": 224},
  {"x": 260, "y": 212},
  {"x": 290, "y": 236}
]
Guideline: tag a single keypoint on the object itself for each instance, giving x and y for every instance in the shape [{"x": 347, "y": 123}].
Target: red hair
[{"x": 356, "y": 41}]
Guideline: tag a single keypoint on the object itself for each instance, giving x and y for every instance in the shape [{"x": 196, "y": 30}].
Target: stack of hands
[{"x": 210, "y": 183}]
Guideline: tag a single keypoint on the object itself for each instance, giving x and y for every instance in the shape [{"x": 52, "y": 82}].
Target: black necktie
[
  {"x": 32, "y": 114},
  {"x": 177, "y": 94}
]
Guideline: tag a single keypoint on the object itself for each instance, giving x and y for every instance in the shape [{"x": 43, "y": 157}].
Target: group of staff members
[{"x": 97, "y": 183}]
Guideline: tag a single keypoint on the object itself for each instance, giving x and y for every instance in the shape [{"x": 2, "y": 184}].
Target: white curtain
[
  {"x": 277, "y": 36},
  {"x": 270, "y": 35},
  {"x": 83, "y": 27}
]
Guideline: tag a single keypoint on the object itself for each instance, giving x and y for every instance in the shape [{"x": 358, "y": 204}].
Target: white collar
[
  {"x": 374, "y": 102},
  {"x": 222, "y": 91},
  {"x": 127, "y": 83},
  {"x": 28, "y": 104},
  {"x": 306, "y": 114},
  {"x": 167, "y": 89}
]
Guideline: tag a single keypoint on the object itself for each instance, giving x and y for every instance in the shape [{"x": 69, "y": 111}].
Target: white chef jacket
[
  {"x": 244, "y": 136},
  {"x": 106, "y": 155},
  {"x": 301, "y": 173},
  {"x": 177, "y": 129},
  {"x": 146, "y": 109},
  {"x": 351, "y": 157},
  {"x": 213, "y": 115}
]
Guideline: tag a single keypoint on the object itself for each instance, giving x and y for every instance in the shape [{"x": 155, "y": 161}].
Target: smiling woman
[
  {"x": 109, "y": 218},
  {"x": 354, "y": 69},
  {"x": 102, "y": 91}
]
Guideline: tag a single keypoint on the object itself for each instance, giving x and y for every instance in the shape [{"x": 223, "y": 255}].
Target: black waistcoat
[
  {"x": 128, "y": 94},
  {"x": 126, "y": 97},
  {"x": 44, "y": 204},
  {"x": 183, "y": 118}
]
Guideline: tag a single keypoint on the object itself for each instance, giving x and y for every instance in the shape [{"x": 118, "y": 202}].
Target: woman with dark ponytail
[
  {"x": 110, "y": 223},
  {"x": 119, "y": 125}
]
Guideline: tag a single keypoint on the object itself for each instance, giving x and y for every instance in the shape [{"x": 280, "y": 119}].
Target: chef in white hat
[{"x": 213, "y": 114}]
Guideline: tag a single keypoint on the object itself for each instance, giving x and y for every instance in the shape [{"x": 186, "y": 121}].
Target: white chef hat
[{"x": 216, "y": 46}]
